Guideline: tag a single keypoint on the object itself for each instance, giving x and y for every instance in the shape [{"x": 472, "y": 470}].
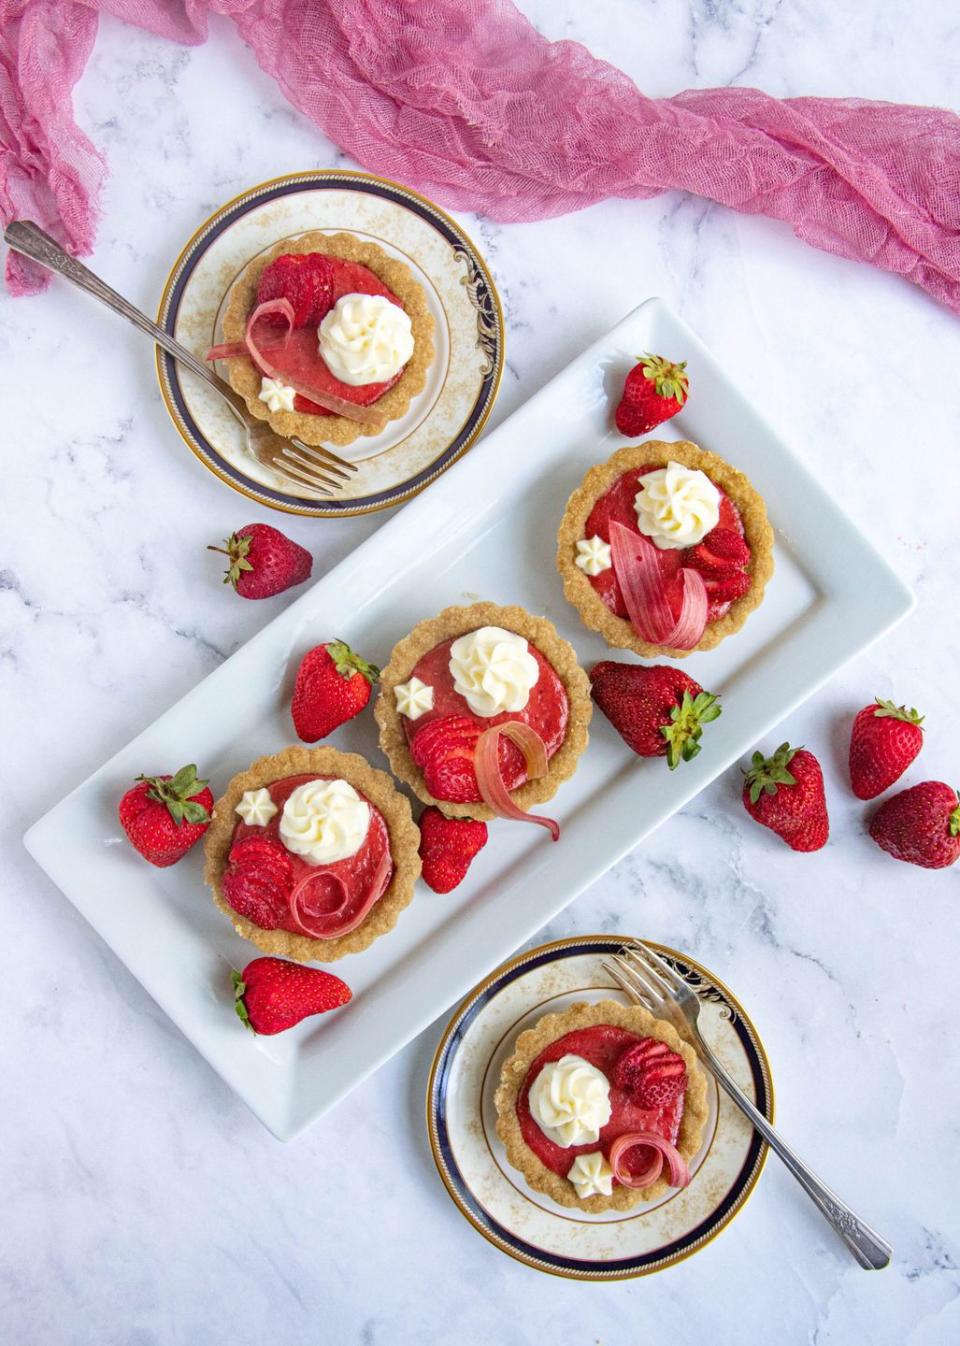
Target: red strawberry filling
[
  {"x": 721, "y": 557},
  {"x": 632, "y": 1110},
  {"x": 278, "y": 890},
  {"x": 443, "y": 740},
  {"x": 313, "y": 282}
]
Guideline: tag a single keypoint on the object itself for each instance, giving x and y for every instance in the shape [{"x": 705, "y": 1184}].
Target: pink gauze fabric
[{"x": 464, "y": 100}]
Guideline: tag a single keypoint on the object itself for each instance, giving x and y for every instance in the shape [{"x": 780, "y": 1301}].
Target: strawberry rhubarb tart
[
  {"x": 312, "y": 853},
  {"x": 602, "y": 1107},
  {"x": 483, "y": 711},
  {"x": 327, "y": 338},
  {"x": 665, "y": 548}
]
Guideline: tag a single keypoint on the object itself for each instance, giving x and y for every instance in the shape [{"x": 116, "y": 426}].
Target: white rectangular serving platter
[{"x": 485, "y": 529}]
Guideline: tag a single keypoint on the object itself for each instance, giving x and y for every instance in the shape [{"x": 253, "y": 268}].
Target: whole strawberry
[
  {"x": 657, "y": 710},
  {"x": 333, "y": 684},
  {"x": 447, "y": 846},
  {"x": 263, "y": 561},
  {"x": 884, "y": 741},
  {"x": 271, "y": 995},
  {"x": 164, "y": 816},
  {"x": 655, "y": 390},
  {"x": 920, "y": 825},
  {"x": 785, "y": 793}
]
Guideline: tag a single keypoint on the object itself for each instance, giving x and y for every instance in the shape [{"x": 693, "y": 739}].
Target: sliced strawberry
[
  {"x": 444, "y": 751},
  {"x": 723, "y": 552},
  {"x": 306, "y": 279},
  {"x": 651, "y": 1073},
  {"x": 728, "y": 590},
  {"x": 662, "y": 1084},
  {"x": 258, "y": 880}
]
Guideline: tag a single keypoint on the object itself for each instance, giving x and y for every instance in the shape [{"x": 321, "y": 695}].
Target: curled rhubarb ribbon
[
  {"x": 262, "y": 358},
  {"x": 638, "y": 574},
  {"x": 677, "y": 1169},
  {"x": 493, "y": 791},
  {"x": 319, "y": 926}
]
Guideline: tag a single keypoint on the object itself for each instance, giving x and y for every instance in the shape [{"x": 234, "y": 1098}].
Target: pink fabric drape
[{"x": 465, "y": 101}]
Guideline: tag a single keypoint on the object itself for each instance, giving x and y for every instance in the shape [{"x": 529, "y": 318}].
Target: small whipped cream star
[
  {"x": 413, "y": 698},
  {"x": 256, "y": 808},
  {"x": 593, "y": 555},
  {"x": 278, "y": 396}
]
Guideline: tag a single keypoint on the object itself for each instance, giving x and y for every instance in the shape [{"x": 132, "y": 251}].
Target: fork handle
[
  {"x": 870, "y": 1250},
  {"x": 26, "y": 237}
]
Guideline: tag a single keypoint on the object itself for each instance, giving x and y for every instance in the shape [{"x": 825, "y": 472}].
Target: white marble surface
[{"x": 142, "y": 1203}]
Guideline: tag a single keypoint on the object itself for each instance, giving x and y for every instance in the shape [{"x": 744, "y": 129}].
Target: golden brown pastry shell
[
  {"x": 534, "y": 1040},
  {"x": 457, "y": 621},
  {"x": 395, "y": 402},
  {"x": 580, "y": 592}
]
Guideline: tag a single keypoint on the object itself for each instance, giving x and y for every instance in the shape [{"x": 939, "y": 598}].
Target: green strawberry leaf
[
  {"x": 888, "y": 709},
  {"x": 767, "y": 774},
  {"x": 239, "y": 990},
  {"x": 347, "y": 663},
  {"x": 184, "y": 782},
  {"x": 686, "y": 726},
  {"x": 669, "y": 380},
  {"x": 237, "y": 548},
  {"x": 177, "y": 795}
]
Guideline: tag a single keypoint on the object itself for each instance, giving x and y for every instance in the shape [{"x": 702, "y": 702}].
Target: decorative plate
[
  {"x": 442, "y": 422},
  {"x": 461, "y": 1120}
]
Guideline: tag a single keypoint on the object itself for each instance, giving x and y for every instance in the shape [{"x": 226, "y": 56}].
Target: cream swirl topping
[
  {"x": 570, "y": 1101},
  {"x": 676, "y": 506},
  {"x": 493, "y": 670},
  {"x": 593, "y": 554},
  {"x": 413, "y": 698},
  {"x": 256, "y": 808},
  {"x": 278, "y": 396},
  {"x": 324, "y": 821},
  {"x": 365, "y": 339},
  {"x": 591, "y": 1175}
]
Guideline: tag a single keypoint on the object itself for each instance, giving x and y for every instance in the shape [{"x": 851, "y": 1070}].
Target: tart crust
[
  {"x": 528, "y": 1047},
  {"x": 457, "y": 621},
  {"x": 404, "y": 839},
  {"x": 580, "y": 592},
  {"x": 332, "y": 429}
]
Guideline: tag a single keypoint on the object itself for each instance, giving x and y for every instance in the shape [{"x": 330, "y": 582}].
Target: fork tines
[{"x": 642, "y": 958}]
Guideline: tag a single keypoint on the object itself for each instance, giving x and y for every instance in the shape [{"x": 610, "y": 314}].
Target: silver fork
[
  {"x": 648, "y": 979},
  {"x": 301, "y": 465}
]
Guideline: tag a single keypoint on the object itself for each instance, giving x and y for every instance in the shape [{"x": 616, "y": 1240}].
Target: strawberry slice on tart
[
  {"x": 312, "y": 853},
  {"x": 327, "y": 337},
  {"x": 483, "y": 711},
  {"x": 665, "y": 549},
  {"x": 602, "y": 1106}
]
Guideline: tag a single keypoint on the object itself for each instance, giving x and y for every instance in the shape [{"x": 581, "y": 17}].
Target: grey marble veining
[{"x": 143, "y": 1205}]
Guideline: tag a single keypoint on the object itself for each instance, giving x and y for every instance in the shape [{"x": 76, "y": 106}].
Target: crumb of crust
[
  {"x": 618, "y": 632},
  {"x": 382, "y": 793},
  {"x": 332, "y": 429},
  {"x": 457, "y": 621},
  {"x": 528, "y": 1047}
]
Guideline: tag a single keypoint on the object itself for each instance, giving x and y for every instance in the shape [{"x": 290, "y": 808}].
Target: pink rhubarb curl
[
  {"x": 493, "y": 790},
  {"x": 679, "y": 1174}
]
